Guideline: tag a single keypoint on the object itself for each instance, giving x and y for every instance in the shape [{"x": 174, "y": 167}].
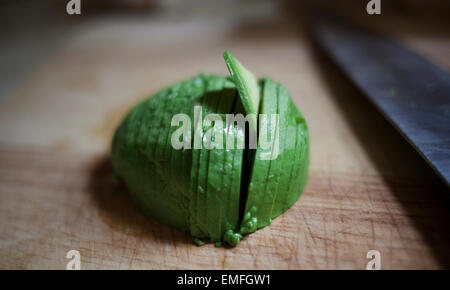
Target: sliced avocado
[
  {"x": 195, "y": 228},
  {"x": 163, "y": 128},
  {"x": 165, "y": 196},
  {"x": 272, "y": 176},
  {"x": 302, "y": 163},
  {"x": 273, "y": 179},
  {"x": 230, "y": 209},
  {"x": 257, "y": 206},
  {"x": 198, "y": 90},
  {"x": 140, "y": 170},
  {"x": 217, "y": 193},
  {"x": 284, "y": 160},
  {"x": 286, "y": 174},
  {"x": 299, "y": 173},
  {"x": 247, "y": 86},
  {"x": 173, "y": 159},
  {"x": 194, "y": 94},
  {"x": 180, "y": 165},
  {"x": 232, "y": 235},
  {"x": 294, "y": 170},
  {"x": 155, "y": 106},
  {"x": 212, "y": 97}
]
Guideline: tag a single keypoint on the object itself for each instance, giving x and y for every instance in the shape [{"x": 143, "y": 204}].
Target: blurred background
[
  {"x": 66, "y": 81},
  {"x": 131, "y": 48}
]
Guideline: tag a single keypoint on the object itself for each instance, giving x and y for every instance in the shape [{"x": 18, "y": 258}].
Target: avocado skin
[{"x": 165, "y": 182}]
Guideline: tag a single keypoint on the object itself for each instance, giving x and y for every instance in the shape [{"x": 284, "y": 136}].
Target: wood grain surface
[{"x": 368, "y": 190}]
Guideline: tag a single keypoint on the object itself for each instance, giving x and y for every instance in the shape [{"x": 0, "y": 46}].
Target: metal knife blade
[{"x": 411, "y": 92}]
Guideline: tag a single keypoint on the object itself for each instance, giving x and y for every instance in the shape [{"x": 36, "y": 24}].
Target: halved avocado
[{"x": 217, "y": 194}]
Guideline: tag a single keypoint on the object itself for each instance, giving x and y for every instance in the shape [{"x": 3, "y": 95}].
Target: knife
[{"x": 411, "y": 92}]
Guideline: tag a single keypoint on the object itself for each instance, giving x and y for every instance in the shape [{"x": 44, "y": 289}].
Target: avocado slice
[
  {"x": 302, "y": 163},
  {"x": 212, "y": 97},
  {"x": 140, "y": 170},
  {"x": 247, "y": 86},
  {"x": 173, "y": 156},
  {"x": 236, "y": 161},
  {"x": 272, "y": 189},
  {"x": 217, "y": 193},
  {"x": 286, "y": 174},
  {"x": 181, "y": 159},
  {"x": 195, "y": 228},
  {"x": 286, "y": 149},
  {"x": 257, "y": 206},
  {"x": 194, "y": 97},
  {"x": 230, "y": 196},
  {"x": 299, "y": 167},
  {"x": 163, "y": 129}
]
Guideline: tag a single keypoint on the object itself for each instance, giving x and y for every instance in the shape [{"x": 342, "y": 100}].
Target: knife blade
[{"x": 410, "y": 91}]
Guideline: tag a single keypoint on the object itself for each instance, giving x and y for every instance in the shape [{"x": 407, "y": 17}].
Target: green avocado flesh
[
  {"x": 247, "y": 86},
  {"x": 215, "y": 190}
]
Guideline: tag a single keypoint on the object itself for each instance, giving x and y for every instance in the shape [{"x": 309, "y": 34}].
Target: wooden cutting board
[{"x": 368, "y": 190}]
